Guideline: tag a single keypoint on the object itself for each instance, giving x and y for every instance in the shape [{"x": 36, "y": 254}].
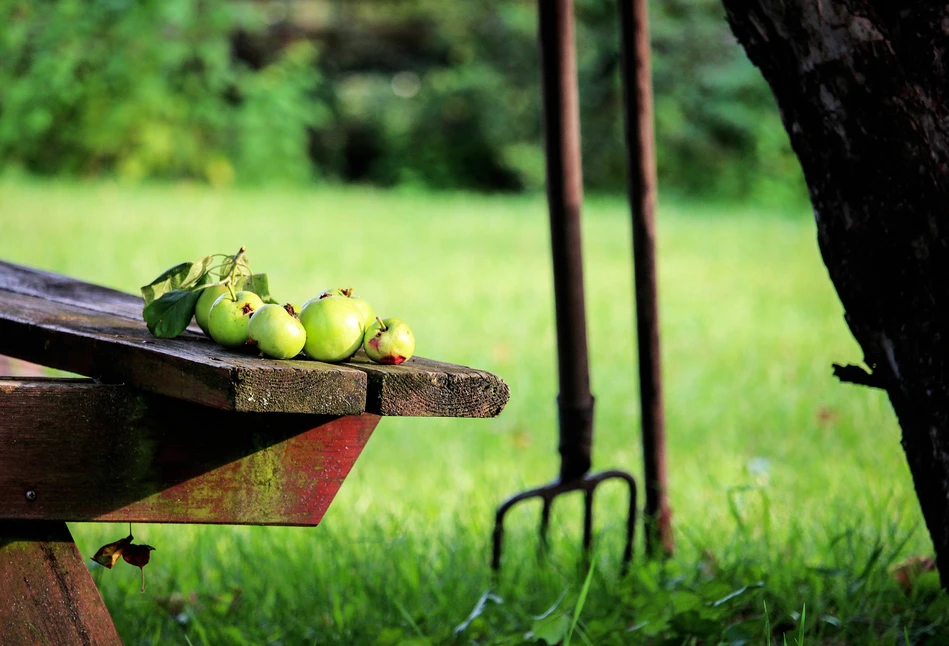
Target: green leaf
[
  {"x": 258, "y": 284},
  {"x": 183, "y": 276},
  {"x": 599, "y": 629},
  {"x": 579, "y": 608},
  {"x": 737, "y": 593},
  {"x": 170, "y": 314},
  {"x": 744, "y": 633},
  {"x": 694, "y": 623},
  {"x": 651, "y": 627},
  {"x": 551, "y": 628},
  {"x": 478, "y": 610},
  {"x": 683, "y": 601},
  {"x": 390, "y": 636}
]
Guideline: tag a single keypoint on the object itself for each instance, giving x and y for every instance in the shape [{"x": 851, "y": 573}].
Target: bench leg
[{"x": 47, "y": 595}]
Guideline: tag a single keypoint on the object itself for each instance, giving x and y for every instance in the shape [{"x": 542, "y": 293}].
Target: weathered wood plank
[
  {"x": 47, "y": 596},
  {"x": 424, "y": 388},
  {"x": 75, "y": 450},
  {"x": 28, "y": 281},
  {"x": 192, "y": 367}
]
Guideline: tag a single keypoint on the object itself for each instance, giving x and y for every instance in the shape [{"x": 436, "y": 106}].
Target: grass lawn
[{"x": 791, "y": 495}]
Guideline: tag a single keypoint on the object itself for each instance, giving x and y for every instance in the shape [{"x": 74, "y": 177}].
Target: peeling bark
[{"x": 862, "y": 87}]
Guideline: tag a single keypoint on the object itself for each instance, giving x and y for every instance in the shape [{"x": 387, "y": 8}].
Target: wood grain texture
[
  {"x": 424, "y": 388},
  {"x": 57, "y": 288},
  {"x": 47, "y": 595},
  {"x": 75, "y": 450},
  {"x": 121, "y": 350},
  {"x": 98, "y": 332}
]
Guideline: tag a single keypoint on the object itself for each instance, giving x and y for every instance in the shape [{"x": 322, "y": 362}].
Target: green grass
[{"x": 790, "y": 490}]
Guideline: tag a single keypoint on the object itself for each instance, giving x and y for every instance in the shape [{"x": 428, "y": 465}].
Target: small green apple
[
  {"x": 276, "y": 331},
  {"x": 334, "y": 328},
  {"x": 229, "y": 318},
  {"x": 390, "y": 341},
  {"x": 368, "y": 314},
  {"x": 203, "y": 307}
]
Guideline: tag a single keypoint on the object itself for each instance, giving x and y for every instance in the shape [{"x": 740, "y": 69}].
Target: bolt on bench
[{"x": 169, "y": 431}]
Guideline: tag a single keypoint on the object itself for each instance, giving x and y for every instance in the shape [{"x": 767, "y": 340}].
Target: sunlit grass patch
[{"x": 789, "y": 489}]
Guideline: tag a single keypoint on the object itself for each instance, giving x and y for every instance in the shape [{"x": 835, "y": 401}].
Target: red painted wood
[
  {"x": 47, "y": 595},
  {"x": 75, "y": 450},
  {"x": 291, "y": 482}
]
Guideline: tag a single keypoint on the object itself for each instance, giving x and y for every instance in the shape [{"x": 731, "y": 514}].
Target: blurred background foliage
[{"x": 388, "y": 92}]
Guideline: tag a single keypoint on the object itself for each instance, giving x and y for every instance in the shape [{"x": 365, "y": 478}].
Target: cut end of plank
[{"x": 425, "y": 388}]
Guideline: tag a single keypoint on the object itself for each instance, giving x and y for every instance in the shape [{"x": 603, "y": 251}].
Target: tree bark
[{"x": 862, "y": 86}]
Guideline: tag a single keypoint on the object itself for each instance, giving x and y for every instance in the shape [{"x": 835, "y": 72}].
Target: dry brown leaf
[
  {"x": 109, "y": 554},
  {"x": 909, "y": 570},
  {"x": 137, "y": 555},
  {"x": 827, "y": 415}
]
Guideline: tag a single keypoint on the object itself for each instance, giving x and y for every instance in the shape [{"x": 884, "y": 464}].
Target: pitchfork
[{"x": 564, "y": 197}]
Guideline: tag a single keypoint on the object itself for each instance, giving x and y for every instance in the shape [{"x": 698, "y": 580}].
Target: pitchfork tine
[
  {"x": 588, "y": 518},
  {"x": 630, "y": 525},
  {"x": 547, "y": 493},
  {"x": 544, "y": 523}
]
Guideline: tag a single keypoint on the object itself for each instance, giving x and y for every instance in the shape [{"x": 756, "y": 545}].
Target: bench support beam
[
  {"x": 48, "y": 595},
  {"x": 78, "y": 451}
]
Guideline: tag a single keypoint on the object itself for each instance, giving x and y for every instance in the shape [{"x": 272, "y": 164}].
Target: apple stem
[
  {"x": 382, "y": 326},
  {"x": 238, "y": 261},
  {"x": 233, "y": 262},
  {"x": 348, "y": 292}
]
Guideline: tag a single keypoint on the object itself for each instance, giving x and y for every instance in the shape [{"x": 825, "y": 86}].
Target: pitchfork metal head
[{"x": 587, "y": 484}]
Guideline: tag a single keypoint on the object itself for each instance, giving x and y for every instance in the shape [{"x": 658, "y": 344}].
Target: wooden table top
[{"x": 87, "y": 329}]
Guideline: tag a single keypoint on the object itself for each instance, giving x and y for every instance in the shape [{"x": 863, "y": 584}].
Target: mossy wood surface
[
  {"x": 47, "y": 596},
  {"x": 75, "y": 450},
  {"x": 425, "y": 388},
  {"x": 90, "y": 330}
]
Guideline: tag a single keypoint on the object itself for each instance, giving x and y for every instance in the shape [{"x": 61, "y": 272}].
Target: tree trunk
[{"x": 862, "y": 86}]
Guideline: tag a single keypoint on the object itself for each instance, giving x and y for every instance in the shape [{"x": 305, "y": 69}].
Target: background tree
[
  {"x": 376, "y": 91},
  {"x": 862, "y": 87}
]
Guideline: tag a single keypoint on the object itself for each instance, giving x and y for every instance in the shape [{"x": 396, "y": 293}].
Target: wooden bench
[{"x": 169, "y": 431}]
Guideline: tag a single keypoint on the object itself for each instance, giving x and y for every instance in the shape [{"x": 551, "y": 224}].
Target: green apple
[
  {"x": 390, "y": 341},
  {"x": 203, "y": 307},
  {"x": 334, "y": 328},
  {"x": 276, "y": 331},
  {"x": 229, "y": 318},
  {"x": 368, "y": 314}
]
